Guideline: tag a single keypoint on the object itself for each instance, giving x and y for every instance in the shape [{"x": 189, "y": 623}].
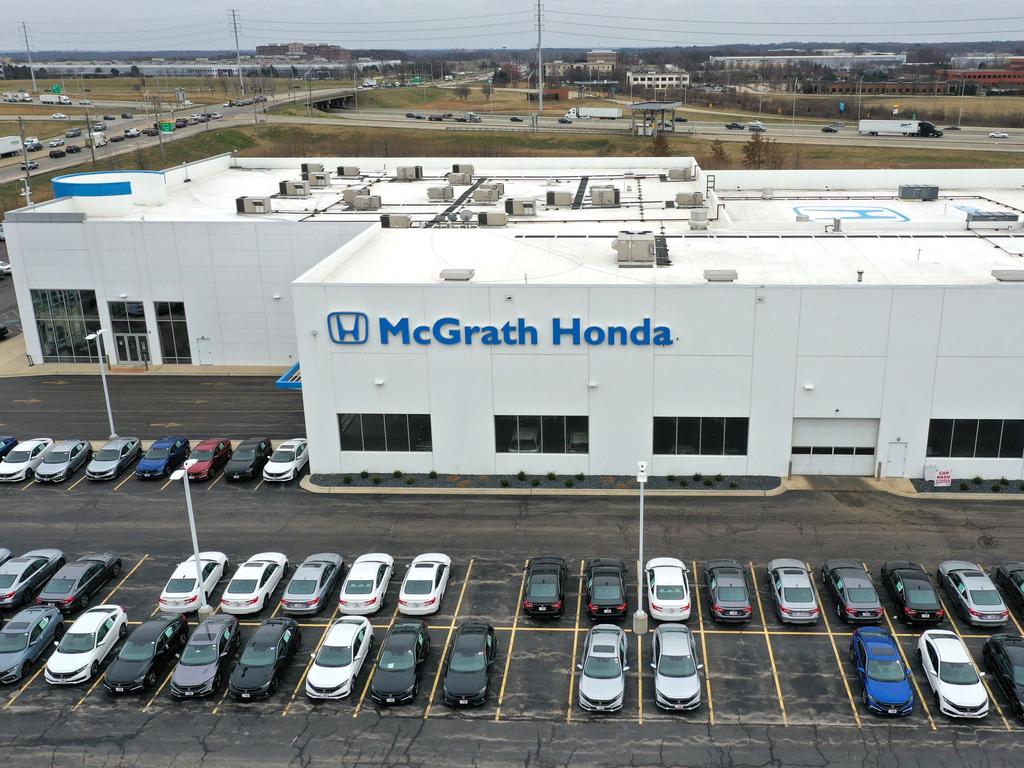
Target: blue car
[
  {"x": 163, "y": 457},
  {"x": 884, "y": 679},
  {"x": 7, "y": 442}
]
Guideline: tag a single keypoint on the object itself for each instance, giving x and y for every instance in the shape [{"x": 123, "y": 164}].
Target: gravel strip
[
  {"x": 971, "y": 485},
  {"x": 598, "y": 482}
]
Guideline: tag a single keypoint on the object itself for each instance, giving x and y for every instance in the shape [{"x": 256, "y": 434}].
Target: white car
[
  {"x": 20, "y": 464},
  {"x": 668, "y": 589},
  {"x": 253, "y": 583},
  {"x": 181, "y": 593},
  {"x": 366, "y": 584},
  {"x": 86, "y": 102},
  {"x": 424, "y": 584},
  {"x": 59, "y": 116},
  {"x": 31, "y": 140},
  {"x": 85, "y": 645},
  {"x": 337, "y": 663},
  {"x": 5, "y": 268},
  {"x": 952, "y": 674},
  {"x": 287, "y": 462},
  {"x": 58, "y": 142},
  {"x": 999, "y": 135},
  {"x": 216, "y": 115},
  {"x": 131, "y": 133}
]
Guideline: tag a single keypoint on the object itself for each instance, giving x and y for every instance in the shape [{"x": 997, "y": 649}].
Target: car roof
[
  {"x": 342, "y": 632},
  {"x": 209, "y": 444},
  {"x": 166, "y": 442},
  {"x": 1012, "y": 565},
  {"x": 781, "y": 563},
  {"x": 544, "y": 563},
  {"x": 854, "y": 577},
  {"x": 291, "y": 444},
  {"x": 93, "y": 618},
  {"x": 669, "y": 574},
  {"x": 950, "y": 647},
  {"x": 66, "y": 445},
  {"x": 252, "y": 442},
  {"x": 320, "y": 558},
  {"x": 33, "y": 442},
  {"x": 958, "y": 565},
  {"x": 152, "y": 628},
  {"x": 976, "y": 578},
  {"x": 272, "y": 628},
  {"x": 119, "y": 442},
  {"x": 606, "y": 564},
  {"x": 28, "y": 616}
]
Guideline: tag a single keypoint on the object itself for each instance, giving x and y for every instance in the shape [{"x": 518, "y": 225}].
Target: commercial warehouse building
[{"x": 570, "y": 315}]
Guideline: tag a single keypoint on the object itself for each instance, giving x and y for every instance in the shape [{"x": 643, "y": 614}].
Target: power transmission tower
[
  {"x": 28, "y": 50},
  {"x": 238, "y": 52}
]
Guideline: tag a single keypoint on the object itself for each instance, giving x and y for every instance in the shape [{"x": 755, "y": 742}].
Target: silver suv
[
  {"x": 974, "y": 595},
  {"x": 603, "y": 669},
  {"x": 792, "y": 592}
]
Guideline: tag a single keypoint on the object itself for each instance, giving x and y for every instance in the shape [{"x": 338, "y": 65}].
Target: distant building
[
  {"x": 597, "y": 63},
  {"x": 908, "y": 87},
  {"x": 978, "y": 60},
  {"x": 653, "y": 79},
  {"x": 841, "y": 60},
  {"x": 303, "y": 51}
]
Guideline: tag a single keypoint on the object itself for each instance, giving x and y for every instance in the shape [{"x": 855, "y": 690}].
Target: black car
[
  {"x": 1003, "y": 656},
  {"x": 76, "y": 582},
  {"x": 150, "y": 132},
  {"x": 852, "y": 590},
  {"x": 248, "y": 459},
  {"x": 205, "y": 657},
  {"x": 435, "y": 118},
  {"x": 681, "y": 119},
  {"x": 117, "y": 137},
  {"x": 466, "y": 681},
  {"x": 72, "y": 149},
  {"x": 1010, "y": 576},
  {"x": 263, "y": 659},
  {"x": 606, "y": 589},
  {"x": 55, "y": 153},
  {"x": 515, "y": 119},
  {"x": 726, "y": 583},
  {"x": 181, "y": 122},
  {"x": 735, "y": 126},
  {"x": 410, "y": 115},
  {"x": 109, "y": 117},
  {"x": 127, "y": 116},
  {"x": 148, "y": 651},
  {"x": 911, "y": 590},
  {"x": 565, "y": 121},
  {"x": 396, "y": 676},
  {"x": 545, "y": 587}
]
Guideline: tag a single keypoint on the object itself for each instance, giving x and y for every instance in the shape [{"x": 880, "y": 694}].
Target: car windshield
[
  {"x": 302, "y": 587},
  {"x": 542, "y": 588},
  {"x": 17, "y": 457},
  {"x": 7, "y": 579},
  {"x": 241, "y": 587},
  {"x": 676, "y": 666},
  {"x": 244, "y": 454},
  {"x": 862, "y": 595},
  {"x": 11, "y": 642},
  {"x": 201, "y": 455},
  {"x": 397, "y": 659},
  {"x": 359, "y": 587},
  {"x": 885, "y": 670},
  {"x": 76, "y": 642},
  {"x": 60, "y": 586},
  {"x": 669, "y": 592},
  {"x": 1018, "y": 673},
  {"x": 108, "y": 454},
  {"x": 602, "y": 667},
  {"x": 466, "y": 661},
  {"x": 259, "y": 654},
  {"x": 283, "y": 456},
  {"x": 418, "y": 587},
  {"x": 158, "y": 453},
  {"x": 199, "y": 655},
  {"x": 606, "y": 591},
  {"x": 798, "y": 595},
  {"x": 137, "y": 650},
  {"x": 958, "y": 673},
  {"x": 732, "y": 594},
  {"x": 176, "y": 586},
  {"x": 920, "y": 596},
  {"x": 985, "y": 597},
  {"x": 57, "y": 457}
]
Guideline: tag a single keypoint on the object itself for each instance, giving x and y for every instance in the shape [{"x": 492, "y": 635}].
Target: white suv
[{"x": 287, "y": 462}]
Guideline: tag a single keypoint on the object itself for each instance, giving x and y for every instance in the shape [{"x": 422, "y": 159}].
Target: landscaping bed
[
  {"x": 977, "y": 485},
  {"x": 695, "y": 482}
]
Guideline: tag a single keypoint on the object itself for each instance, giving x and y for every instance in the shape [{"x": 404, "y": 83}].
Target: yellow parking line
[
  {"x": 261, "y": 482},
  {"x": 92, "y": 687},
  {"x": 166, "y": 484},
  {"x": 126, "y": 577},
  {"x": 28, "y": 485},
  {"x": 640, "y": 679},
  {"x": 703, "y": 644},
  {"x": 216, "y": 710},
  {"x": 72, "y": 486},
  {"x": 217, "y": 480},
  {"x": 835, "y": 648},
  {"x": 373, "y": 667},
  {"x": 447, "y": 640},
  {"x": 21, "y": 690},
  {"x": 309, "y": 663},
  {"x": 158, "y": 691},
  {"x": 768, "y": 642},
  {"x": 128, "y": 477},
  {"x": 511, "y": 642},
  {"x": 575, "y": 641}
]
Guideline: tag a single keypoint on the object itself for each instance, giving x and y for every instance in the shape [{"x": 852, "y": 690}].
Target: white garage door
[{"x": 834, "y": 446}]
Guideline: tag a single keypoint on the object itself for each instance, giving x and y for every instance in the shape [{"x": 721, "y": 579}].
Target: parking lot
[{"x": 771, "y": 692}]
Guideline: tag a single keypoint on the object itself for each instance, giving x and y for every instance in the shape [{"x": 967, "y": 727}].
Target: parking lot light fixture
[
  {"x": 98, "y": 338},
  {"x": 182, "y": 474},
  {"x": 640, "y": 617}
]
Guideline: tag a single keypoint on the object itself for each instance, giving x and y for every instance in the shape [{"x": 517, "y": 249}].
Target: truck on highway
[
  {"x": 600, "y": 113},
  {"x": 54, "y": 98},
  {"x": 96, "y": 139},
  {"x": 897, "y": 128},
  {"x": 10, "y": 145}
]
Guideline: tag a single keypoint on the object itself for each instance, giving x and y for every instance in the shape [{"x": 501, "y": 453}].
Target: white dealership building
[{"x": 488, "y": 315}]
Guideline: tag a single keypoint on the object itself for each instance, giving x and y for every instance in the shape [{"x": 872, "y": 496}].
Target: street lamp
[
  {"x": 640, "y": 617},
  {"x": 98, "y": 338},
  {"x": 182, "y": 474}
]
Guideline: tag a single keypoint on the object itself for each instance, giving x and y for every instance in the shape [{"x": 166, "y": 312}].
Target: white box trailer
[
  {"x": 54, "y": 98},
  {"x": 599, "y": 113},
  {"x": 10, "y": 145},
  {"x": 897, "y": 128}
]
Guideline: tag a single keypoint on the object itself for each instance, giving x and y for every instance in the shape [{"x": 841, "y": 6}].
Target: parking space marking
[
  {"x": 511, "y": 642},
  {"x": 703, "y": 644},
  {"x": 768, "y": 642},
  {"x": 305, "y": 672},
  {"x": 216, "y": 710},
  {"x": 261, "y": 482},
  {"x": 216, "y": 480},
  {"x": 72, "y": 486},
  {"x": 167, "y": 483},
  {"x": 835, "y": 648},
  {"x": 575, "y": 642},
  {"x": 448, "y": 639},
  {"x": 126, "y": 479},
  {"x": 126, "y": 577},
  {"x": 31, "y": 680},
  {"x": 28, "y": 485},
  {"x": 158, "y": 691},
  {"x": 92, "y": 688},
  {"x": 369, "y": 677}
]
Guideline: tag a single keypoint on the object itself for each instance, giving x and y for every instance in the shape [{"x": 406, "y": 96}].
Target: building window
[
  {"x": 64, "y": 318},
  {"x": 390, "y": 432},
  {"x": 976, "y": 438},
  {"x": 542, "y": 434},
  {"x": 706, "y": 436},
  {"x": 127, "y": 317},
  {"x": 173, "y": 332}
]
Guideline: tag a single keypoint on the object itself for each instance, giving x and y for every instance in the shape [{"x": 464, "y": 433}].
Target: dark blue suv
[
  {"x": 163, "y": 456},
  {"x": 6, "y": 443}
]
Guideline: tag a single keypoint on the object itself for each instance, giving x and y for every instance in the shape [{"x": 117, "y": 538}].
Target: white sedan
[
  {"x": 366, "y": 584},
  {"x": 181, "y": 593},
  {"x": 59, "y": 116},
  {"x": 952, "y": 675},
  {"x": 86, "y": 644},
  {"x": 287, "y": 462},
  {"x": 999, "y": 135},
  {"x": 337, "y": 663},
  {"x": 668, "y": 589},
  {"x": 58, "y": 142},
  {"x": 424, "y": 584},
  {"x": 20, "y": 464},
  {"x": 253, "y": 583}
]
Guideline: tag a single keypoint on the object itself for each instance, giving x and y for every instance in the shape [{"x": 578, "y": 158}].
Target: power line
[
  {"x": 389, "y": 23},
  {"x": 873, "y": 23},
  {"x": 572, "y": 31}
]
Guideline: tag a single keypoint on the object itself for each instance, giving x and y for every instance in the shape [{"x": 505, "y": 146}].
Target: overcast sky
[{"x": 155, "y": 24}]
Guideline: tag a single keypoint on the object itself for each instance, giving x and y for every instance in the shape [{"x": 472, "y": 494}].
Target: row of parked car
[{"x": 49, "y": 461}]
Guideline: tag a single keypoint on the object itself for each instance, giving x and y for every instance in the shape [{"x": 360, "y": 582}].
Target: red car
[{"x": 209, "y": 456}]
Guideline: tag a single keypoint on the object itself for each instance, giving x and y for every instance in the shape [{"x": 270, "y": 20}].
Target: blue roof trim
[
  {"x": 290, "y": 379},
  {"x": 91, "y": 189}
]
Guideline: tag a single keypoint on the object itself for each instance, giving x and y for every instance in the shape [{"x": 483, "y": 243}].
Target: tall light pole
[
  {"x": 182, "y": 474},
  {"x": 960, "y": 115},
  {"x": 98, "y": 338},
  {"x": 640, "y": 617}
]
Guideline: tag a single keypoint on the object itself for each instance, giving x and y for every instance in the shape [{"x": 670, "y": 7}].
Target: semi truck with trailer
[
  {"x": 10, "y": 146},
  {"x": 54, "y": 98},
  {"x": 921, "y": 128},
  {"x": 600, "y": 113}
]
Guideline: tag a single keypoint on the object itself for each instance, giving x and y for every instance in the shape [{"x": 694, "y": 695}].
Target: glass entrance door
[{"x": 132, "y": 348}]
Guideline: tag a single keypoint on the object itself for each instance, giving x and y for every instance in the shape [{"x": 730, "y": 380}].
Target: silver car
[
  {"x": 792, "y": 592},
  {"x": 974, "y": 595},
  {"x": 21, "y": 577},
  {"x": 675, "y": 664},
  {"x": 26, "y": 637},
  {"x": 603, "y": 669},
  {"x": 62, "y": 461},
  {"x": 312, "y": 583},
  {"x": 113, "y": 458}
]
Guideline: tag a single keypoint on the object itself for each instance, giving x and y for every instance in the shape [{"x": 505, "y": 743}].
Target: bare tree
[{"x": 462, "y": 92}]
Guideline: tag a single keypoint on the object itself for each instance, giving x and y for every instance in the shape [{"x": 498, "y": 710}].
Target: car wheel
[
  {"x": 864, "y": 698},
  {"x": 273, "y": 687},
  {"x": 94, "y": 670},
  {"x": 84, "y": 602},
  {"x": 29, "y": 474},
  {"x": 26, "y": 668},
  {"x": 117, "y": 569},
  {"x": 122, "y": 631}
]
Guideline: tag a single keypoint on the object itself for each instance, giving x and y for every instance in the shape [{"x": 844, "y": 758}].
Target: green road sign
[
  {"x": 56, "y": 88},
  {"x": 167, "y": 127}
]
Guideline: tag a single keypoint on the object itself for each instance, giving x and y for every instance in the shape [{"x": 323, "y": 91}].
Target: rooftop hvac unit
[
  {"x": 460, "y": 178},
  {"x": 457, "y": 275},
  {"x": 993, "y": 216},
  {"x": 803, "y": 218},
  {"x": 294, "y": 189},
  {"x": 440, "y": 193},
  {"x": 409, "y": 172},
  {"x": 252, "y": 205},
  {"x": 720, "y": 275},
  {"x": 497, "y": 186},
  {"x": 689, "y": 200},
  {"x": 317, "y": 179},
  {"x": 699, "y": 218},
  {"x": 680, "y": 174},
  {"x": 348, "y": 171},
  {"x": 349, "y": 195},
  {"x": 521, "y": 206},
  {"x": 918, "y": 192},
  {"x": 604, "y": 196},
  {"x": 481, "y": 195},
  {"x": 559, "y": 199},
  {"x": 492, "y": 219},
  {"x": 395, "y": 221},
  {"x": 366, "y": 202},
  {"x": 463, "y": 168},
  {"x": 310, "y": 167},
  {"x": 635, "y": 249},
  {"x": 767, "y": 194}
]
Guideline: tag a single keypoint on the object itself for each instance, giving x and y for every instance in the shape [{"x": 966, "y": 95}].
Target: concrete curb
[{"x": 1019, "y": 497}]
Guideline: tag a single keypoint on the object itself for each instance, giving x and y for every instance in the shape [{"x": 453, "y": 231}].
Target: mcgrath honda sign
[{"x": 357, "y": 328}]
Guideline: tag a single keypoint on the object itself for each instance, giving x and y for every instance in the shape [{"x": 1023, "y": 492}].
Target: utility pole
[
  {"x": 540, "y": 64},
  {"x": 238, "y": 51},
  {"x": 28, "y": 50},
  {"x": 960, "y": 115},
  {"x": 24, "y": 157},
  {"x": 89, "y": 139}
]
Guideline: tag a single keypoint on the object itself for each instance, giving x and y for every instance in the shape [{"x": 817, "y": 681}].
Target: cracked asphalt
[{"x": 537, "y": 725}]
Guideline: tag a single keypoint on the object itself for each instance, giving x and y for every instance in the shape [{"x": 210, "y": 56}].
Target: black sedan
[
  {"x": 911, "y": 590},
  {"x": 1010, "y": 576},
  {"x": 466, "y": 681},
  {"x": 829, "y": 129},
  {"x": 545, "y": 587},
  {"x": 72, "y": 149},
  {"x": 248, "y": 459},
  {"x": 1003, "y": 656},
  {"x": 606, "y": 589},
  {"x": 735, "y": 126},
  {"x": 150, "y": 649},
  {"x": 205, "y": 657},
  {"x": 74, "y": 585},
  {"x": 726, "y": 583},
  {"x": 396, "y": 678},
  {"x": 264, "y": 659},
  {"x": 852, "y": 590},
  {"x": 20, "y": 577},
  {"x": 58, "y": 152}
]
